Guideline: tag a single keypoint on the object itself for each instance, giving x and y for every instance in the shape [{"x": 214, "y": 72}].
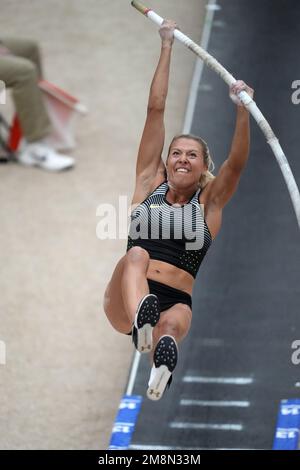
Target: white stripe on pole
[{"x": 249, "y": 103}]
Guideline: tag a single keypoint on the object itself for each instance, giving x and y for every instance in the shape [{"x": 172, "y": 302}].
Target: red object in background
[
  {"x": 15, "y": 134},
  {"x": 62, "y": 109}
]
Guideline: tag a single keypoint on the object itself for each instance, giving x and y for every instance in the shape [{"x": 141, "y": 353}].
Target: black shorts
[{"x": 168, "y": 296}]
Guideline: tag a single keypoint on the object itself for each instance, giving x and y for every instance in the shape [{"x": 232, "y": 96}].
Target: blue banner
[
  {"x": 125, "y": 422},
  {"x": 288, "y": 425}
]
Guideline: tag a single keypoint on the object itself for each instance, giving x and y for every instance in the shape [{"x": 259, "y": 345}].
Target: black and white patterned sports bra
[{"x": 175, "y": 234}]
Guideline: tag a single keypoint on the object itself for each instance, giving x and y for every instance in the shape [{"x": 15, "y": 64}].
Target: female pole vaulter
[{"x": 177, "y": 215}]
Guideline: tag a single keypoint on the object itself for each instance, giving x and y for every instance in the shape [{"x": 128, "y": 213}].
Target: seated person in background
[{"x": 20, "y": 70}]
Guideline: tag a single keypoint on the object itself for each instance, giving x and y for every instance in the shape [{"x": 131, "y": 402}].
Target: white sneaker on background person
[{"x": 40, "y": 154}]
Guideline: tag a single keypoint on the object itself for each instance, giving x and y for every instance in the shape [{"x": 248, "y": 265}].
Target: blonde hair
[{"x": 207, "y": 175}]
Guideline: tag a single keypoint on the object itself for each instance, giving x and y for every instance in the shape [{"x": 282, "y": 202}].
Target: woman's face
[{"x": 185, "y": 162}]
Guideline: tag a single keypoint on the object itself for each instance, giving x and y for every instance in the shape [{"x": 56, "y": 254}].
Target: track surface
[{"x": 247, "y": 294}]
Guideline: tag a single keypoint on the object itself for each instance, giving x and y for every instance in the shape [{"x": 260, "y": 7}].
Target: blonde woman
[{"x": 177, "y": 215}]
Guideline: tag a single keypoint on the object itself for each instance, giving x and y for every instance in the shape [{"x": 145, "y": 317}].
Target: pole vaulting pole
[{"x": 248, "y": 102}]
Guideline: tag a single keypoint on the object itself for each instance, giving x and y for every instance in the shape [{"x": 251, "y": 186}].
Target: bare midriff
[{"x": 170, "y": 275}]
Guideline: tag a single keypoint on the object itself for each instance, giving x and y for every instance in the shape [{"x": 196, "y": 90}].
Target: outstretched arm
[
  {"x": 149, "y": 160},
  {"x": 226, "y": 182}
]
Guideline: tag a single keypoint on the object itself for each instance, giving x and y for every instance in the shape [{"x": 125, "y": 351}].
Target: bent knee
[
  {"x": 137, "y": 254},
  {"x": 176, "y": 325},
  {"x": 168, "y": 326}
]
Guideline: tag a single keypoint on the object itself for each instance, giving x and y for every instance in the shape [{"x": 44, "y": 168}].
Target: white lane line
[
  {"x": 238, "y": 404},
  {"x": 211, "y": 342},
  {"x": 133, "y": 372},
  {"x": 190, "y": 110},
  {"x": 210, "y": 426},
  {"x": 218, "y": 380},
  {"x": 159, "y": 447},
  {"x": 214, "y": 7}
]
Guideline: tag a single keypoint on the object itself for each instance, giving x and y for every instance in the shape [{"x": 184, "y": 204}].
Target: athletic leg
[
  {"x": 172, "y": 327},
  {"x": 174, "y": 321},
  {"x": 123, "y": 295},
  {"x": 134, "y": 283}
]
